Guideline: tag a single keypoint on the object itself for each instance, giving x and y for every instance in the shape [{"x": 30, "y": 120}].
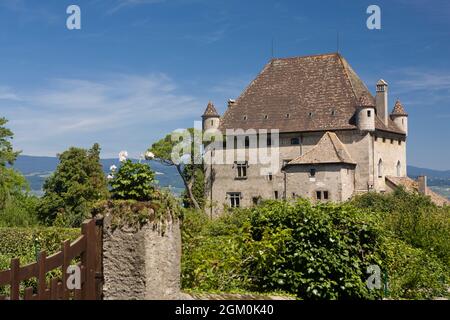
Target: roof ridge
[{"x": 308, "y": 56}]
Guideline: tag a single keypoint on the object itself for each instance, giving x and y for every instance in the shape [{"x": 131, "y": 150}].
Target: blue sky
[{"x": 139, "y": 69}]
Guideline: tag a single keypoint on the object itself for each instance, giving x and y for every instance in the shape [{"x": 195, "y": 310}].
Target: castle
[{"x": 335, "y": 139}]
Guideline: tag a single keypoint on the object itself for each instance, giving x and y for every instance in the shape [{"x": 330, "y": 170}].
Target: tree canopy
[{"x": 74, "y": 187}]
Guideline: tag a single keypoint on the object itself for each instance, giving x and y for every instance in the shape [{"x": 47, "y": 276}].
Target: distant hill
[
  {"x": 414, "y": 172},
  {"x": 37, "y": 169}
]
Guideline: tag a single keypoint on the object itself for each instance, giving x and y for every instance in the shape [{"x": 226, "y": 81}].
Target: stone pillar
[{"x": 141, "y": 262}]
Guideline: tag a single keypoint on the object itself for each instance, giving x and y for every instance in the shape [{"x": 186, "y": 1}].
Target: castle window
[
  {"x": 241, "y": 168},
  {"x": 266, "y": 117},
  {"x": 310, "y": 114},
  {"x": 269, "y": 177},
  {"x": 399, "y": 142},
  {"x": 312, "y": 173},
  {"x": 247, "y": 142},
  {"x": 333, "y": 112},
  {"x": 322, "y": 195},
  {"x": 245, "y": 117},
  {"x": 275, "y": 194},
  {"x": 288, "y": 115},
  {"x": 369, "y": 113},
  {"x": 256, "y": 200},
  {"x": 295, "y": 141},
  {"x": 380, "y": 168},
  {"x": 269, "y": 140},
  {"x": 212, "y": 122},
  {"x": 319, "y": 195},
  {"x": 399, "y": 169},
  {"x": 235, "y": 199}
]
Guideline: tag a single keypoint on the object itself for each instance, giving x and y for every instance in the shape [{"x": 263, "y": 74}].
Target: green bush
[
  {"x": 133, "y": 181},
  {"x": 25, "y": 243},
  {"x": 310, "y": 251},
  {"x": 412, "y": 273},
  {"x": 20, "y": 211}
]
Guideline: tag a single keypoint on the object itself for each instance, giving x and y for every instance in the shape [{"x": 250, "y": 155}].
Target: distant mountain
[
  {"x": 37, "y": 169},
  {"x": 436, "y": 174}
]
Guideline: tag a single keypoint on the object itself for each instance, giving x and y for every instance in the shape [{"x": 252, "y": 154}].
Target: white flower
[
  {"x": 113, "y": 168},
  {"x": 110, "y": 176},
  {"x": 123, "y": 155},
  {"x": 149, "y": 155}
]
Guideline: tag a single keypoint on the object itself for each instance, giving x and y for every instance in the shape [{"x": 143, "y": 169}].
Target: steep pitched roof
[
  {"x": 398, "y": 110},
  {"x": 412, "y": 186},
  {"x": 329, "y": 149},
  {"x": 312, "y": 93},
  {"x": 210, "y": 111}
]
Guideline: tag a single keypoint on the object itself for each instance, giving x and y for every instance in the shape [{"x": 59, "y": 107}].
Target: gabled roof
[
  {"x": 299, "y": 94},
  {"x": 210, "y": 111},
  {"x": 413, "y": 186},
  {"x": 398, "y": 110},
  {"x": 329, "y": 149}
]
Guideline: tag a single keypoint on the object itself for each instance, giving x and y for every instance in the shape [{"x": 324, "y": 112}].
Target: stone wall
[{"x": 141, "y": 262}]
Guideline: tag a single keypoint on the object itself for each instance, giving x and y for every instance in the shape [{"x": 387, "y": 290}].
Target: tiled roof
[
  {"x": 398, "y": 110},
  {"x": 366, "y": 100},
  {"x": 312, "y": 93},
  {"x": 329, "y": 149},
  {"x": 413, "y": 186},
  {"x": 210, "y": 111}
]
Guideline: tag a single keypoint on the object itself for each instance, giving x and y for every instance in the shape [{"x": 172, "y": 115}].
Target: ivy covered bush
[{"x": 322, "y": 251}]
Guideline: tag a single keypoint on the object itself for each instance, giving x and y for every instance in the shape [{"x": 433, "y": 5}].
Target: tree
[
  {"x": 74, "y": 187},
  {"x": 11, "y": 181},
  {"x": 165, "y": 149}
]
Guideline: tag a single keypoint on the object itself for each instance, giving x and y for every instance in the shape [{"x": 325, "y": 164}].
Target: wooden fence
[{"x": 87, "y": 247}]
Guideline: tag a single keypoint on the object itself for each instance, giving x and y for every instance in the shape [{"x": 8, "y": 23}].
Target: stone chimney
[
  {"x": 422, "y": 182},
  {"x": 381, "y": 101}
]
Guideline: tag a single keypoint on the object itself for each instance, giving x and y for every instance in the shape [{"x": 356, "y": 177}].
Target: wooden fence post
[
  {"x": 15, "y": 283},
  {"x": 42, "y": 282},
  {"x": 99, "y": 259}
]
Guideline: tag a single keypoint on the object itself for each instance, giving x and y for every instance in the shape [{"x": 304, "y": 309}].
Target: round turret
[
  {"x": 400, "y": 117},
  {"x": 211, "y": 119},
  {"x": 366, "y": 113}
]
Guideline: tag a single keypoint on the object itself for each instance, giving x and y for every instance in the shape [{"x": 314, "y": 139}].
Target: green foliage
[
  {"x": 171, "y": 150},
  {"x": 315, "y": 252},
  {"x": 413, "y": 273},
  {"x": 25, "y": 243},
  {"x": 413, "y": 218},
  {"x": 277, "y": 246},
  {"x": 71, "y": 190},
  {"x": 133, "y": 181},
  {"x": 213, "y": 256},
  {"x": 7, "y": 153},
  {"x": 20, "y": 211}
]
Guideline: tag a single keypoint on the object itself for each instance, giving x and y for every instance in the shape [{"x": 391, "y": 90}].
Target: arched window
[
  {"x": 399, "y": 169},
  {"x": 380, "y": 168}
]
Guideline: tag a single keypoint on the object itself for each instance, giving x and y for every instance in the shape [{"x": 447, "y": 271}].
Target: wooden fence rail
[{"x": 87, "y": 247}]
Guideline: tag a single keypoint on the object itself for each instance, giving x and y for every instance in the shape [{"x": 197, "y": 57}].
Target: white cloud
[{"x": 130, "y": 109}]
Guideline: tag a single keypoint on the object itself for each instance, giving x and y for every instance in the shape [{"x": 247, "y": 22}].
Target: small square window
[
  {"x": 318, "y": 195},
  {"x": 325, "y": 195},
  {"x": 312, "y": 173},
  {"x": 241, "y": 168}
]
